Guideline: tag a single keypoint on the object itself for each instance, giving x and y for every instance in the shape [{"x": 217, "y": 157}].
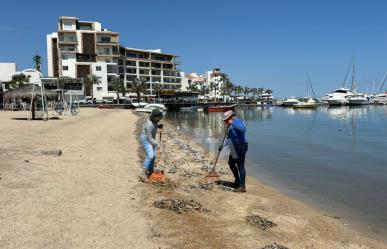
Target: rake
[
  {"x": 157, "y": 174},
  {"x": 213, "y": 174}
]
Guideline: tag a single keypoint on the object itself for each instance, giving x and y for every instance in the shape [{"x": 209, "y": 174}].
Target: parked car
[
  {"x": 108, "y": 100},
  {"x": 86, "y": 100}
]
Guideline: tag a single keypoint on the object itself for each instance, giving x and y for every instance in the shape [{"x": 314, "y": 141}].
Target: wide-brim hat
[
  {"x": 156, "y": 113},
  {"x": 227, "y": 115}
]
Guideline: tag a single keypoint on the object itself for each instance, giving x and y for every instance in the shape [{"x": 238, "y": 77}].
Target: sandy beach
[{"x": 91, "y": 196}]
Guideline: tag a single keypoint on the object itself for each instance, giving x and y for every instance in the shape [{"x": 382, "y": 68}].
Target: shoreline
[{"x": 310, "y": 217}]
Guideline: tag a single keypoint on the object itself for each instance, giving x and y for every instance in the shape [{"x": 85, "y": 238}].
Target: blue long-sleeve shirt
[{"x": 236, "y": 132}]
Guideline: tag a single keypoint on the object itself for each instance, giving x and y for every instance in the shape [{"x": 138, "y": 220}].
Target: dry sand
[{"x": 90, "y": 197}]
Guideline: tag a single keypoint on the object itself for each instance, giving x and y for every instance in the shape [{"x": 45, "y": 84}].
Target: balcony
[
  {"x": 67, "y": 49},
  {"x": 67, "y": 41},
  {"x": 85, "y": 58},
  {"x": 107, "y": 40},
  {"x": 112, "y": 69},
  {"x": 171, "y": 74}
]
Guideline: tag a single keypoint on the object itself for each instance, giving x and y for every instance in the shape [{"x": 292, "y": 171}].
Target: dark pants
[{"x": 236, "y": 161}]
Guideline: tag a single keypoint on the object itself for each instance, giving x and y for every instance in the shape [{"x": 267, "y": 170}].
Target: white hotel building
[{"x": 81, "y": 48}]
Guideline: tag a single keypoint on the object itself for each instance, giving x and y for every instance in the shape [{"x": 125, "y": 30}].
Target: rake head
[
  {"x": 212, "y": 174},
  {"x": 157, "y": 176}
]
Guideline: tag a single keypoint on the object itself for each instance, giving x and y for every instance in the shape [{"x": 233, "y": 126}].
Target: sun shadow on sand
[
  {"x": 224, "y": 183},
  {"x": 36, "y": 119}
]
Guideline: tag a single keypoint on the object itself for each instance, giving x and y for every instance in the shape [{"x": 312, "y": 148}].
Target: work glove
[{"x": 160, "y": 126}]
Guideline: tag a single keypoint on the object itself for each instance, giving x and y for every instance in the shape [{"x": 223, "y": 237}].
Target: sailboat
[
  {"x": 339, "y": 96},
  {"x": 381, "y": 98},
  {"x": 356, "y": 98},
  {"x": 307, "y": 102}
]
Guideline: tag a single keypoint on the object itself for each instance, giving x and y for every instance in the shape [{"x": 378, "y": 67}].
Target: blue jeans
[
  {"x": 236, "y": 161},
  {"x": 150, "y": 154}
]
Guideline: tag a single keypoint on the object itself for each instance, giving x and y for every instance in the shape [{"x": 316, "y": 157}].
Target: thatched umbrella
[{"x": 29, "y": 92}]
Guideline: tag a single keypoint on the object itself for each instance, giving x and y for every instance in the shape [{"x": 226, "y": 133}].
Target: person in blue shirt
[{"x": 238, "y": 147}]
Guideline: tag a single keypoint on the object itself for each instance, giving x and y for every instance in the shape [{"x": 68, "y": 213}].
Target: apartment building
[
  {"x": 82, "y": 48},
  {"x": 192, "y": 79}
]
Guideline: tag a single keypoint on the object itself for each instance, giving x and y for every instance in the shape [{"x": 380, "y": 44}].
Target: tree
[
  {"x": 119, "y": 87},
  {"x": 192, "y": 87},
  {"x": 203, "y": 88},
  {"x": 268, "y": 91},
  {"x": 89, "y": 81},
  {"x": 254, "y": 91},
  {"x": 37, "y": 62},
  {"x": 238, "y": 90},
  {"x": 246, "y": 91},
  {"x": 139, "y": 86},
  {"x": 157, "y": 88},
  {"x": 227, "y": 86},
  {"x": 19, "y": 80},
  {"x": 213, "y": 87}
]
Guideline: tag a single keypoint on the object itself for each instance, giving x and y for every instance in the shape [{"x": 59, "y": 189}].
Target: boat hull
[{"x": 220, "y": 108}]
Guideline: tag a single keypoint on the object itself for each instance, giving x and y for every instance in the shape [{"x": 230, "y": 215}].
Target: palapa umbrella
[{"x": 30, "y": 92}]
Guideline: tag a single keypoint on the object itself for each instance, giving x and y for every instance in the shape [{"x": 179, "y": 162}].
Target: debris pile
[
  {"x": 180, "y": 206},
  {"x": 206, "y": 186},
  {"x": 274, "y": 246},
  {"x": 260, "y": 222}
]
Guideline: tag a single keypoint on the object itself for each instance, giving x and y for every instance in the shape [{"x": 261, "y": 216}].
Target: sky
[{"x": 258, "y": 43}]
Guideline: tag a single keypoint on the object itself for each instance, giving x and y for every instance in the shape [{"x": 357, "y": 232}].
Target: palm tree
[
  {"x": 19, "y": 80},
  {"x": 118, "y": 87},
  {"x": 139, "y": 86},
  {"x": 227, "y": 85},
  {"x": 268, "y": 91},
  {"x": 246, "y": 91},
  {"x": 239, "y": 90},
  {"x": 212, "y": 87},
  {"x": 157, "y": 88},
  {"x": 260, "y": 91},
  {"x": 89, "y": 81},
  {"x": 203, "y": 89},
  {"x": 254, "y": 91},
  {"x": 192, "y": 87}
]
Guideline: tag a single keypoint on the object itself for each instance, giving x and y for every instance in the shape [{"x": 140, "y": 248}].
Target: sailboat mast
[
  {"x": 353, "y": 86},
  {"x": 307, "y": 87}
]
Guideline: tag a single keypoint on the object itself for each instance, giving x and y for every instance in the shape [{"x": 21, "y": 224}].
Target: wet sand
[{"x": 90, "y": 196}]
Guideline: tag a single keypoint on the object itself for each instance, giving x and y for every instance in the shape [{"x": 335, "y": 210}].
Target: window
[
  {"x": 105, "y": 39},
  {"x": 65, "y": 56},
  {"x": 98, "y": 68},
  {"x": 65, "y": 68},
  {"x": 99, "y": 88},
  {"x": 67, "y": 24}
]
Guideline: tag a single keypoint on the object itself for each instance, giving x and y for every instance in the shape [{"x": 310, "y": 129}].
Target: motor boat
[
  {"x": 380, "y": 99},
  {"x": 339, "y": 96},
  {"x": 219, "y": 108},
  {"x": 139, "y": 104},
  {"x": 149, "y": 107},
  {"x": 306, "y": 103},
  {"x": 357, "y": 99},
  {"x": 290, "y": 102}
]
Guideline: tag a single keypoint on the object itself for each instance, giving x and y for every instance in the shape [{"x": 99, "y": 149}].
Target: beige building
[{"x": 81, "y": 48}]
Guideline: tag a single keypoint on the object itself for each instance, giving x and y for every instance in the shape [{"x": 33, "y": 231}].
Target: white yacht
[
  {"x": 306, "y": 103},
  {"x": 381, "y": 99},
  {"x": 148, "y": 108},
  {"x": 339, "y": 96},
  {"x": 290, "y": 102},
  {"x": 357, "y": 99}
]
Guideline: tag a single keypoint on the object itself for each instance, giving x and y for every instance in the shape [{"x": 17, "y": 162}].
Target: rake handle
[
  {"x": 217, "y": 156},
  {"x": 158, "y": 150}
]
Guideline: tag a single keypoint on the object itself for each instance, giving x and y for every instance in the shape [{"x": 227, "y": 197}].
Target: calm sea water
[{"x": 332, "y": 158}]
